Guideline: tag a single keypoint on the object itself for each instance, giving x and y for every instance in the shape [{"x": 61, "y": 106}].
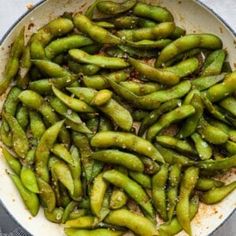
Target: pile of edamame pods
[{"x": 116, "y": 116}]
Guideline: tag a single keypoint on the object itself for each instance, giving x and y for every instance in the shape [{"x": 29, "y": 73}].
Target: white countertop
[{"x": 11, "y": 10}]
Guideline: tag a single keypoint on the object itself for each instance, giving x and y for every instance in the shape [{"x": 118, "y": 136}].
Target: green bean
[
  {"x": 156, "y": 13},
  {"x": 46, "y": 194},
  {"x": 126, "y": 22},
  {"x": 202, "y": 147},
  {"x": 217, "y": 194},
  {"x": 191, "y": 122},
  {"x": 97, "y": 194},
  {"x": 222, "y": 90},
  {"x": 133, "y": 189},
  {"x": 53, "y": 29},
  {"x": 99, "y": 82},
  {"x": 113, "y": 8},
  {"x": 172, "y": 192},
  {"x": 187, "y": 185},
  {"x": 118, "y": 199},
  {"x": 165, "y": 120},
  {"x": 202, "y": 83},
  {"x": 12, "y": 65},
  {"x": 132, "y": 221},
  {"x": 210, "y": 133},
  {"x": 205, "y": 184},
  {"x": 121, "y": 117},
  {"x": 43, "y": 150},
  {"x": 86, "y": 69},
  {"x": 37, "y": 126},
  {"x": 73, "y": 103},
  {"x": 95, "y": 232},
  {"x": 172, "y": 157},
  {"x": 214, "y": 62},
  {"x": 159, "y": 181},
  {"x": 54, "y": 216},
  {"x": 82, "y": 143},
  {"x": 229, "y": 104},
  {"x": 173, "y": 227},
  {"x": 188, "y": 42},
  {"x": 96, "y": 33},
  {"x": 12, "y": 161},
  {"x": 160, "y": 31},
  {"x": 19, "y": 138},
  {"x": 151, "y": 101},
  {"x": 128, "y": 160},
  {"x": 30, "y": 199},
  {"x": 22, "y": 116},
  {"x": 28, "y": 179},
  {"x": 65, "y": 44},
  {"x": 102, "y": 97},
  {"x": 127, "y": 141},
  {"x": 61, "y": 151},
  {"x": 101, "y": 61},
  {"x": 62, "y": 173}
]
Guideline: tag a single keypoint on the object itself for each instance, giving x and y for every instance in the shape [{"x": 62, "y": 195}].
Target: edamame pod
[
  {"x": 216, "y": 195},
  {"x": 28, "y": 179},
  {"x": 61, "y": 151},
  {"x": 54, "y": 216},
  {"x": 205, "y": 184},
  {"x": 36, "y": 125},
  {"x": 229, "y": 104},
  {"x": 118, "y": 199},
  {"x": 142, "y": 179},
  {"x": 84, "y": 222},
  {"x": 176, "y": 115},
  {"x": 102, "y": 97},
  {"x": 22, "y": 116},
  {"x": 128, "y": 141},
  {"x": 133, "y": 189},
  {"x": 128, "y": 160},
  {"x": 188, "y": 42},
  {"x": 95, "y": 232}
]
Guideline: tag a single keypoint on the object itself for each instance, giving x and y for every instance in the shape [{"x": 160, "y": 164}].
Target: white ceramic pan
[{"x": 191, "y": 15}]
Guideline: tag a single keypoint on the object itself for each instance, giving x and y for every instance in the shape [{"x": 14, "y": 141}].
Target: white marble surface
[{"x": 11, "y": 10}]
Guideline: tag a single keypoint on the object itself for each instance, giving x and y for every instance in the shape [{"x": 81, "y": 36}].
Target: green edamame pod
[
  {"x": 12, "y": 162},
  {"x": 113, "y": 8},
  {"x": 101, "y": 61},
  {"x": 105, "y": 124},
  {"x": 12, "y": 65},
  {"x": 96, "y": 33},
  {"x": 160, "y": 31},
  {"x": 127, "y": 141},
  {"x": 156, "y": 13},
  {"x": 22, "y": 116},
  {"x": 84, "y": 222},
  {"x": 43, "y": 150},
  {"x": 30, "y": 157},
  {"x": 99, "y": 82},
  {"x": 214, "y": 63},
  {"x": 30, "y": 199},
  {"x": 105, "y": 24},
  {"x": 121, "y": 117},
  {"x": 46, "y": 194},
  {"x": 159, "y": 181},
  {"x": 54, "y": 216},
  {"x": 230, "y": 147},
  {"x": 5, "y": 134},
  {"x": 187, "y": 185},
  {"x": 73, "y": 103},
  {"x": 133, "y": 189},
  {"x": 172, "y": 192},
  {"x": 126, "y": 22},
  {"x": 223, "y": 89},
  {"x": 37, "y": 126},
  {"x": 203, "y": 148},
  {"x": 165, "y": 120},
  {"x": 228, "y": 104},
  {"x": 61, "y": 151},
  {"x": 19, "y": 138},
  {"x": 102, "y": 97},
  {"x": 173, "y": 227},
  {"x": 148, "y": 44},
  {"x": 132, "y": 221},
  {"x": 155, "y": 114},
  {"x": 202, "y": 83},
  {"x": 76, "y": 213},
  {"x": 191, "y": 122},
  {"x": 95, "y": 232},
  {"x": 180, "y": 145},
  {"x": 150, "y": 167},
  {"x": 210, "y": 133},
  {"x": 128, "y": 160},
  {"x": 217, "y": 194},
  {"x": 65, "y": 44},
  {"x": 205, "y": 184},
  {"x": 118, "y": 199},
  {"x": 97, "y": 194},
  {"x": 179, "y": 32},
  {"x": 188, "y": 42},
  {"x": 28, "y": 179},
  {"x": 143, "y": 179}
]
